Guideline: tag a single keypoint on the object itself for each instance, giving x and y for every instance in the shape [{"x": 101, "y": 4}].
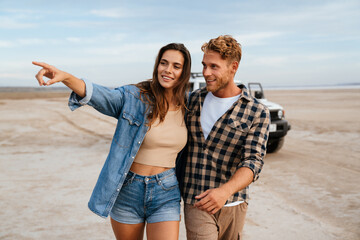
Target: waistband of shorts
[{"x": 156, "y": 177}]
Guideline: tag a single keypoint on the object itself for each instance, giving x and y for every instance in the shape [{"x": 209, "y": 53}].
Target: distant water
[
  {"x": 34, "y": 89},
  {"x": 304, "y": 87}
]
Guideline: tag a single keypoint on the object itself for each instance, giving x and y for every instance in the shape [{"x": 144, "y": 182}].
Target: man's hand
[{"x": 212, "y": 200}]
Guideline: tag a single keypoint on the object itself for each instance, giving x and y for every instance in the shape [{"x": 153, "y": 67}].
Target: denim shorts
[{"x": 148, "y": 199}]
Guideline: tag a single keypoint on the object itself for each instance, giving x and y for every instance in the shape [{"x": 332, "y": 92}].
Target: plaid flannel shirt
[{"x": 238, "y": 139}]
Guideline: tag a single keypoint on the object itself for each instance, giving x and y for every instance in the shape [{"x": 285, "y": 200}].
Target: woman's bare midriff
[{"x": 146, "y": 170}]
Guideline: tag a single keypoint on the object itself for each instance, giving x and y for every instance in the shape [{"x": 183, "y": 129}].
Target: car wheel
[{"x": 275, "y": 145}]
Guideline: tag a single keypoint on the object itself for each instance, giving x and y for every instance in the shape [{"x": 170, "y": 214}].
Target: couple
[{"x": 216, "y": 138}]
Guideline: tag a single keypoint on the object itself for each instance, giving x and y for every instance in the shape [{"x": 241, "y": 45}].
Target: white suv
[{"x": 278, "y": 126}]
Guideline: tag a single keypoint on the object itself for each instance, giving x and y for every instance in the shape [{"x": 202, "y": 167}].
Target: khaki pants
[{"x": 226, "y": 224}]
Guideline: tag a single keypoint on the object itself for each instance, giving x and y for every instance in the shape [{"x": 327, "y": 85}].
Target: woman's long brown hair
[{"x": 154, "y": 94}]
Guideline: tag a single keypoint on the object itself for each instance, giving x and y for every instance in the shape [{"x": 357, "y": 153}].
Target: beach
[{"x": 50, "y": 159}]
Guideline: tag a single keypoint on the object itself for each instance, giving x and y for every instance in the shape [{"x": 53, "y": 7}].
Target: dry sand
[{"x": 50, "y": 159}]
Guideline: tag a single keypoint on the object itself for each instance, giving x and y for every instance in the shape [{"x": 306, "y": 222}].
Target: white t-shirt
[{"x": 213, "y": 108}]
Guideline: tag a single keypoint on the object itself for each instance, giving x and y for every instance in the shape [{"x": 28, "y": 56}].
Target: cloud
[
  {"x": 29, "y": 42},
  {"x": 14, "y": 75},
  {"x": 6, "y": 44},
  {"x": 323, "y": 19},
  {"x": 117, "y": 37},
  {"x": 19, "y": 11},
  {"x": 322, "y": 57},
  {"x": 105, "y": 38},
  {"x": 295, "y": 61},
  {"x": 74, "y": 39},
  {"x": 260, "y": 38},
  {"x": 110, "y": 13},
  {"x": 194, "y": 46},
  {"x": 134, "y": 9},
  {"x": 271, "y": 61},
  {"x": 13, "y": 18},
  {"x": 13, "y": 23},
  {"x": 127, "y": 53}
]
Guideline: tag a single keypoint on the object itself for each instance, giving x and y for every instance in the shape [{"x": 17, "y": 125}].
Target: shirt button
[
  {"x": 125, "y": 174},
  {"x": 118, "y": 189},
  {"x": 132, "y": 157},
  {"x": 139, "y": 142}
]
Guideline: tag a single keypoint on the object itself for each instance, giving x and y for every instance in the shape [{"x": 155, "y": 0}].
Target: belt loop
[
  {"x": 158, "y": 179},
  {"x": 132, "y": 177}
]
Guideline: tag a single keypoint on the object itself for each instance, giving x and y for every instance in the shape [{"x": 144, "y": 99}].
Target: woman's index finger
[{"x": 41, "y": 64}]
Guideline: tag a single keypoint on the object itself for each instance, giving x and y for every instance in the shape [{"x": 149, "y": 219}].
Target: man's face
[{"x": 217, "y": 72}]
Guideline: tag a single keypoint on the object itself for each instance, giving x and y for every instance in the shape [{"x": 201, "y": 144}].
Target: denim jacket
[{"x": 124, "y": 104}]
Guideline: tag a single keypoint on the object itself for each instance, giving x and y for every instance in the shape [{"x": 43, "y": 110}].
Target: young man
[{"x": 228, "y": 132}]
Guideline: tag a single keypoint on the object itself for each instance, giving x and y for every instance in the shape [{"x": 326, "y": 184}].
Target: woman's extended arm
[{"x": 55, "y": 75}]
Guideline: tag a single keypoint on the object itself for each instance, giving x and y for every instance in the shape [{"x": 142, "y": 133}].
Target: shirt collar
[{"x": 244, "y": 93}]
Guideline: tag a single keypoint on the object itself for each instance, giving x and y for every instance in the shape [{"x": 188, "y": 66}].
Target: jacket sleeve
[{"x": 105, "y": 100}]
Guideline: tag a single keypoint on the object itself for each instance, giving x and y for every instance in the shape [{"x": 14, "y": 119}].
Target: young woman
[{"x": 137, "y": 184}]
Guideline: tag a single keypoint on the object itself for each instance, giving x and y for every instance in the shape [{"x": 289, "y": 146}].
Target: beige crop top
[{"x": 163, "y": 141}]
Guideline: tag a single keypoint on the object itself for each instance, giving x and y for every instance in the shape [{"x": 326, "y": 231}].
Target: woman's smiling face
[{"x": 170, "y": 68}]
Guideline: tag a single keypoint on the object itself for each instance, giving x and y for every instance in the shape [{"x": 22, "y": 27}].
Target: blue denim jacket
[{"x": 124, "y": 104}]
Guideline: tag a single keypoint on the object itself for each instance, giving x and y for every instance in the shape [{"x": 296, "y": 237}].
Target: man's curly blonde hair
[{"x": 226, "y": 45}]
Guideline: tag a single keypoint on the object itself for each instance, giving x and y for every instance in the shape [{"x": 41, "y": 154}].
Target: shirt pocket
[
  {"x": 127, "y": 129},
  {"x": 238, "y": 129},
  {"x": 242, "y": 125},
  {"x": 132, "y": 120}
]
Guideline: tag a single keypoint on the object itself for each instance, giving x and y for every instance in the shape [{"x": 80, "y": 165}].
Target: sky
[{"x": 112, "y": 43}]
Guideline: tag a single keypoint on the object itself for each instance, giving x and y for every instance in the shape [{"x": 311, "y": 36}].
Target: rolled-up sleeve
[
  {"x": 254, "y": 150},
  {"x": 75, "y": 101}
]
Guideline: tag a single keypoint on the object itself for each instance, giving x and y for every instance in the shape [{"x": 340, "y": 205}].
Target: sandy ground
[{"x": 50, "y": 159}]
